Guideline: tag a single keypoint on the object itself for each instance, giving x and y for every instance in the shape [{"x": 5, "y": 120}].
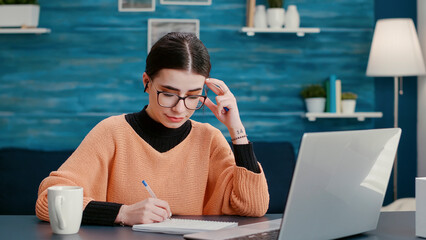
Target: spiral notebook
[{"x": 183, "y": 226}]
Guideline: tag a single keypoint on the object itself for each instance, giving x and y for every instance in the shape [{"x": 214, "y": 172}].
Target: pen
[{"x": 149, "y": 189}]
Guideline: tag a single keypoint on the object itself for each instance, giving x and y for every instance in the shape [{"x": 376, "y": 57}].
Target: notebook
[
  {"x": 337, "y": 190},
  {"x": 183, "y": 226}
]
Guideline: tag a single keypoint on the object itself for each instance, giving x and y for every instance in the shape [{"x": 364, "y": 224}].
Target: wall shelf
[
  {"x": 300, "y": 32},
  {"x": 24, "y": 30},
  {"x": 359, "y": 115}
]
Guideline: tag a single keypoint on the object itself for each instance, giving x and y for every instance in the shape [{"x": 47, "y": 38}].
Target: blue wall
[{"x": 55, "y": 87}]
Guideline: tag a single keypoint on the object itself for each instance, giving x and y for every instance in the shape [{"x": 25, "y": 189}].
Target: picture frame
[
  {"x": 157, "y": 28},
  {"x": 186, "y": 2},
  {"x": 136, "y": 5}
]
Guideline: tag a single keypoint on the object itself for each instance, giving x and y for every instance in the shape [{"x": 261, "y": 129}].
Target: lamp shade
[{"x": 395, "y": 50}]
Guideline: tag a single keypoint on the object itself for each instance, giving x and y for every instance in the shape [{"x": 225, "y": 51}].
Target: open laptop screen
[{"x": 338, "y": 186}]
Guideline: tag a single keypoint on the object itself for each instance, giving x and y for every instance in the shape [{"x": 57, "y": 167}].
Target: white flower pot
[
  {"x": 275, "y": 17},
  {"x": 315, "y": 105},
  {"x": 348, "y": 106},
  {"x": 19, "y": 15}
]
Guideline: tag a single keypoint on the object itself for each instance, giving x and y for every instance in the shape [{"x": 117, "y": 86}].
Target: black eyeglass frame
[{"x": 181, "y": 98}]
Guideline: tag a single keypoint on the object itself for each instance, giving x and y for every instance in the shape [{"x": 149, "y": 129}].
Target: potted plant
[
  {"x": 314, "y": 96},
  {"x": 348, "y": 102},
  {"x": 275, "y": 14},
  {"x": 19, "y": 13}
]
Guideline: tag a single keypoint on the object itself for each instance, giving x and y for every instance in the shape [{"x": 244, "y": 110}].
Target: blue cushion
[
  {"x": 22, "y": 170},
  {"x": 278, "y": 162}
]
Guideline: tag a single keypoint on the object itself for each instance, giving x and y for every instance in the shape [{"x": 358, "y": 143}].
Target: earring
[{"x": 146, "y": 86}]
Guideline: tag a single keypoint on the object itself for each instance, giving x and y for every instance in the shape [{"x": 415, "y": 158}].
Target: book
[
  {"x": 327, "y": 95},
  {"x": 338, "y": 96},
  {"x": 250, "y": 8},
  {"x": 332, "y": 80},
  {"x": 183, "y": 226}
]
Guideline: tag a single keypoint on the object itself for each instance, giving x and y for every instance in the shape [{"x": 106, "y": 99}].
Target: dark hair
[{"x": 177, "y": 50}]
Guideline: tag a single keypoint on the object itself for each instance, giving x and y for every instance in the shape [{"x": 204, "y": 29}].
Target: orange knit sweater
[{"x": 198, "y": 176}]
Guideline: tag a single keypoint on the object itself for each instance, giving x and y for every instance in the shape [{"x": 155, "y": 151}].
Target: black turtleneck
[
  {"x": 158, "y": 136},
  {"x": 162, "y": 139}
]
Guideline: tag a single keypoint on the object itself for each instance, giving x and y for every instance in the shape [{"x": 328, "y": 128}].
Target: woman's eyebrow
[{"x": 178, "y": 90}]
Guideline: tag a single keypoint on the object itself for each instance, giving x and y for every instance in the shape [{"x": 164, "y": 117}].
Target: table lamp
[{"x": 395, "y": 52}]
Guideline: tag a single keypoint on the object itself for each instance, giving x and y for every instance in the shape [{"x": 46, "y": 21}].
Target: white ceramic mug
[{"x": 65, "y": 208}]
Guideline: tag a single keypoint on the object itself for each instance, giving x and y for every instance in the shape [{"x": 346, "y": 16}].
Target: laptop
[{"x": 337, "y": 190}]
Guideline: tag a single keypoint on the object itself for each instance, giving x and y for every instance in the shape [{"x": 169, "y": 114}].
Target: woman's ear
[{"x": 145, "y": 79}]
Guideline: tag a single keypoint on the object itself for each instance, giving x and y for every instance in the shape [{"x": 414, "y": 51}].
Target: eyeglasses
[{"x": 169, "y": 100}]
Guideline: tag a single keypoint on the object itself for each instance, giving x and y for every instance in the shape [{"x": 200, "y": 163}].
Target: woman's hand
[
  {"x": 150, "y": 210},
  {"x": 226, "y": 110}
]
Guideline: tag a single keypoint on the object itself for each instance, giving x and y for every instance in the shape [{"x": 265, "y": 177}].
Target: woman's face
[{"x": 180, "y": 82}]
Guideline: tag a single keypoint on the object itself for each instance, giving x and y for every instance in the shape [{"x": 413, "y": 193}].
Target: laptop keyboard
[{"x": 271, "y": 235}]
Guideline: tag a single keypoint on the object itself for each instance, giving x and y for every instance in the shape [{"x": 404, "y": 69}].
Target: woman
[{"x": 189, "y": 165}]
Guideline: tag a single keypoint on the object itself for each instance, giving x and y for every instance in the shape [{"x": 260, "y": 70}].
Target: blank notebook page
[{"x": 183, "y": 226}]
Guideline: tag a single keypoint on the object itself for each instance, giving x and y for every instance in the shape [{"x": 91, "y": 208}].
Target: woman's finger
[
  {"x": 217, "y": 90},
  {"x": 224, "y": 106},
  {"x": 210, "y": 105},
  {"x": 163, "y": 205},
  {"x": 161, "y": 213},
  {"x": 223, "y": 98},
  {"x": 217, "y": 86},
  {"x": 155, "y": 218},
  {"x": 225, "y": 102}
]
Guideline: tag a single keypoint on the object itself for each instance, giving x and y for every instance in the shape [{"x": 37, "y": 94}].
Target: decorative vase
[
  {"x": 315, "y": 105},
  {"x": 292, "y": 20},
  {"x": 260, "y": 17},
  {"x": 275, "y": 17},
  {"x": 19, "y": 15},
  {"x": 348, "y": 106}
]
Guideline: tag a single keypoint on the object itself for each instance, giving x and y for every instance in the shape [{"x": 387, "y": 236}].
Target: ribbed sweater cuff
[
  {"x": 100, "y": 213},
  {"x": 244, "y": 157}
]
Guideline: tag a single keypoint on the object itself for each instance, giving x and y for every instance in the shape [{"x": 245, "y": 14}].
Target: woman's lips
[{"x": 175, "y": 119}]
